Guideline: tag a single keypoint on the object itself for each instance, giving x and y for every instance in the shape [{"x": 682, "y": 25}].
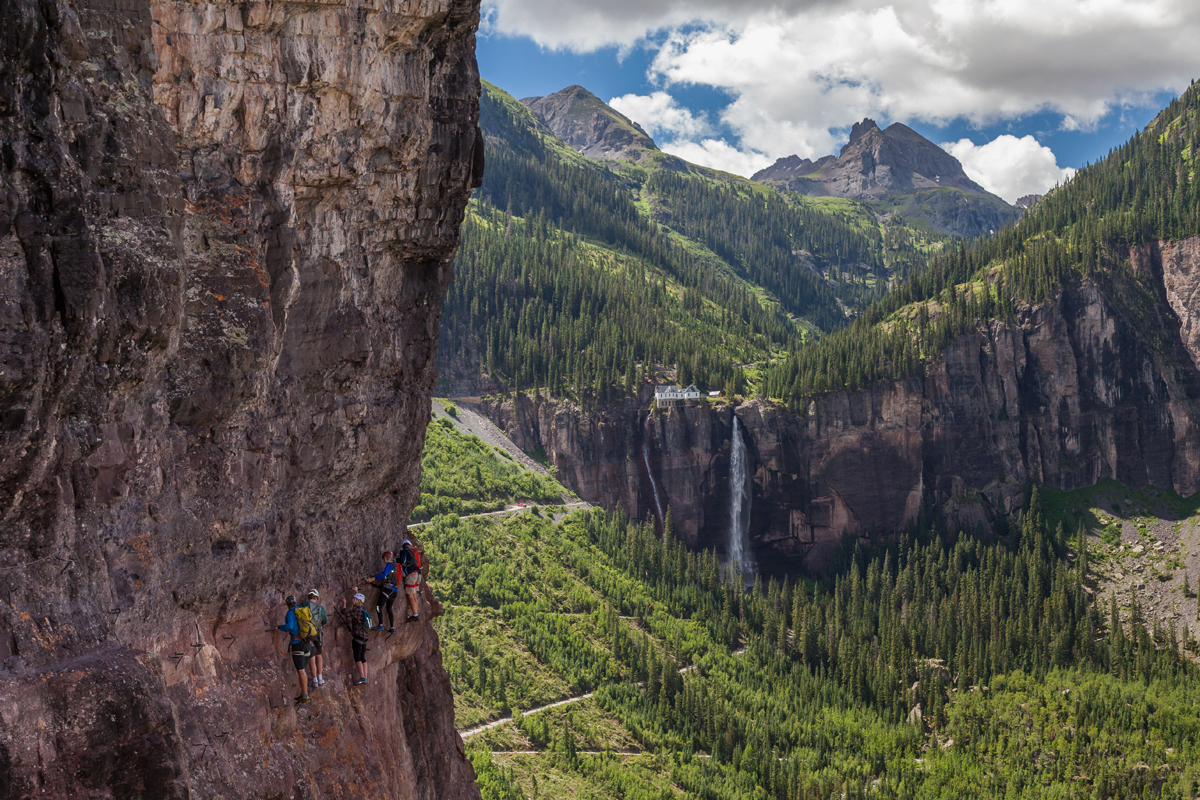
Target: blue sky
[
  {"x": 523, "y": 68},
  {"x": 1021, "y": 91}
]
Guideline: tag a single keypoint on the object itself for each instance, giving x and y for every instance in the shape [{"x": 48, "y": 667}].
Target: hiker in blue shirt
[
  {"x": 386, "y": 582},
  {"x": 299, "y": 647}
]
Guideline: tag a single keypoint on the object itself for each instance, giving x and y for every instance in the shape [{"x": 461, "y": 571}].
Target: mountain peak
[
  {"x": 591, "y": 126},
  {"x": 883, "y": 164},
  {"x": 861, "y": 129}
]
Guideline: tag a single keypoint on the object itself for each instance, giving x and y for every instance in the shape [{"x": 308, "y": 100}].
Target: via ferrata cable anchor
[
  {"x": 199, "y": 639},
  {"x": 204, "y": 746}
]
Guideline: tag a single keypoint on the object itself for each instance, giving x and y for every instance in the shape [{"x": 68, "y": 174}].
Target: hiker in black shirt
[{"x": 358, "y": 620}]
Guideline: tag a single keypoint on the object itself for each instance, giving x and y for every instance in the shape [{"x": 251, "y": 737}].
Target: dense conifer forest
[
  {"x": 924, "y": 666},
  {"x": 580, "y": 280}
]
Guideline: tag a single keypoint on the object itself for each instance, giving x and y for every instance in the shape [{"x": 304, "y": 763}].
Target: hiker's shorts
[
  {"x": 300, "y": 656},
  {"x": 412, "y": 583},
  {"x": 318, "y": 643},
  {"x": 359, "y": 649}
]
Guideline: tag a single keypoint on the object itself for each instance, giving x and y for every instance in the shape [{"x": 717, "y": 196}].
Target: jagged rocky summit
[
  {"x": 225, "y": 232},
  {"x": 897, "y": 164}
]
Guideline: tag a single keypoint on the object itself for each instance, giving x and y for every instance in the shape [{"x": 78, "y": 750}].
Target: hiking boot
[
  {"x": 360, "y": 682},
  {"x": 413, "y": 618},
  {"x": 391, "y": 631},
  {"x": 301, "y": 700}
]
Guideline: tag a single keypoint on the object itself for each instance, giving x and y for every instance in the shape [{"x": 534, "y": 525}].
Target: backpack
[
  {"x": 319, "y": 615},
  {"x": 304, "y": 621},
  {"x": 409, "y": 560},
  {"x": 390, "y": 578}
]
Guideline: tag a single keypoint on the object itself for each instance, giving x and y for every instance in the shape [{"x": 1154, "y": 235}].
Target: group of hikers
[{"x": 305, "y": 621}]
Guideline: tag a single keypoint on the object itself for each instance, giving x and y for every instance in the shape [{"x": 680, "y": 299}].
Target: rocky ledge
[{"x": 225, "y": 232}]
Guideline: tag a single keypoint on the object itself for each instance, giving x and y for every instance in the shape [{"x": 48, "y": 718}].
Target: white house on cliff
[{"x": 672, "y": 395}]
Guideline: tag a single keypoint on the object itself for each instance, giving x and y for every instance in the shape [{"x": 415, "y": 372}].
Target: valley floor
[{"x": 591, "y": 658}]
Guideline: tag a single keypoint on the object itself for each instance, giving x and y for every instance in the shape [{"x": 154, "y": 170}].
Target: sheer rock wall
[
  {"x": 225, "y": 232},
  {"x": 1102, "y": 381}
]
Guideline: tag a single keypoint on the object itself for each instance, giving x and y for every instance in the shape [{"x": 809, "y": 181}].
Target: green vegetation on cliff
[{"x": 461, "y": 474}]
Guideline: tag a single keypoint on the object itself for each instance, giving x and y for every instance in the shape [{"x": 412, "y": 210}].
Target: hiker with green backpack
[
  {"x": 299, "y": 625},
  {"x": 316, "y": 664}
]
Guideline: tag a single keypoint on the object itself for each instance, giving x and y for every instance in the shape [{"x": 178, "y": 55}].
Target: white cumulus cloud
[
  {"x": 719, "y": 154},
  {"x": 679, "y": 132},
  {"x": 660, "y": 115},
  {"x": 585, "y": 25},
  {"x": 1010, "y": 167},
  {"x": 800, "y": 72}
]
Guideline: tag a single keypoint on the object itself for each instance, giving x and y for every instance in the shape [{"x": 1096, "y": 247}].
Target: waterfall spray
[
  {"x": 740, "y": 556},
  {"x": 650, "y": 473}
]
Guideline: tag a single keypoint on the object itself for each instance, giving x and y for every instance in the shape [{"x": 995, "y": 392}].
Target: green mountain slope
[
  {"x": 579, "y": 278},
  {"x": 1143, "y": 191}
]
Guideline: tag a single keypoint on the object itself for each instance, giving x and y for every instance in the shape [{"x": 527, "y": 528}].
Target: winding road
[{"x": 505, "y": 720}]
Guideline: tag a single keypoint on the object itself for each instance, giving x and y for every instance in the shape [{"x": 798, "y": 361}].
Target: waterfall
[
  {"x": 650, "y": 473},
  {"x": 740, "y": 556}
]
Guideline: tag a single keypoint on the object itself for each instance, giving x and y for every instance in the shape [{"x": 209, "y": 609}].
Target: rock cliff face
[
  {"x": 1103, "y": 381},
  {"x": 225, "y": 232}
]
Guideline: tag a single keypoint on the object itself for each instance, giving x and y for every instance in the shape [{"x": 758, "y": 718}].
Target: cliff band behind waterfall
[
  {"x": 225, "y": 233},
  {"x": 1094, "y": 383}
]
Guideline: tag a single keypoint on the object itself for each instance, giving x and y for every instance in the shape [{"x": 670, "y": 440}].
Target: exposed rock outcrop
[
  {"x": 897, "y": 163},
  {"x": 1102, "y": 381},
  {"x": 1027, "y": 201},
  {"x": 225, "y": 232}
]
